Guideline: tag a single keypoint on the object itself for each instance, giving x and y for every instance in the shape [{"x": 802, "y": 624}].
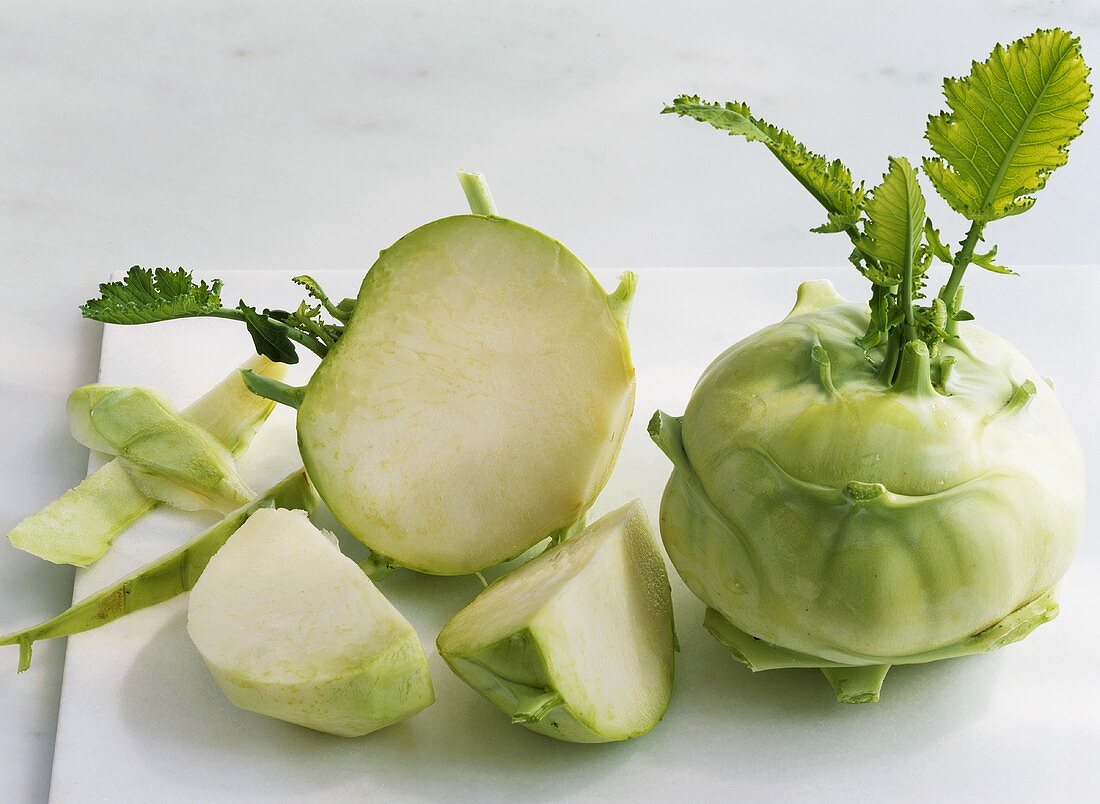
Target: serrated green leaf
[
  {"x": 1009, "y": 125},
  {"x": 895, "y": 222},
  {"x": 313, "y": 288},
  {"x": 830, "y": 182},
  {"x": 986, "y": 261},
  {"x": 144, "y": 296},
  {"x": 935, "y": 243},
  {"x": 836, "y": 223},
  {"x": 269, "y": 335}
]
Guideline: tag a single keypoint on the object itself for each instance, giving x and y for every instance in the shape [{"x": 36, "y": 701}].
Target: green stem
[
  {"x": 962, "y": 261},
  {"x": 889, "y": 367},
  {"x": 477, "y": 193},
  {"x": 295, "y": 335},
  {"x": 905, "y": 299}
]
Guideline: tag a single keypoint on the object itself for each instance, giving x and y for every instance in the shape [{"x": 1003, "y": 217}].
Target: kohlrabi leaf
[
  {"x": 144, "y": 296},
  {"x": 895, "y": 223},
  {"x": 986, "y": 261},
  {"x": 269, "y": 334},
  {"x": 830, "y": 182},
  {"x": 1008, "y": 125}
]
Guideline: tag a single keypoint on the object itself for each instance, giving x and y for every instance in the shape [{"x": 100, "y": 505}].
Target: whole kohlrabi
[{"x": 859, "y": 486}]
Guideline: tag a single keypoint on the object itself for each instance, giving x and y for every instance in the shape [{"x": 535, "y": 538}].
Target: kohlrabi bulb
[{"x": 834, "y": 520}]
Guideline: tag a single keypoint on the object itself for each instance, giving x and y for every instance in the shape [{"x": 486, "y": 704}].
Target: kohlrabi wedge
[
  {"x": 863, "y": 485},
  {"x": 470, "y": 402},
  {"x": 160, "y": 580},
  {"x": 292, "y": 629},
  {"x": 79, "y": 526},
  {"x": 577, "y": 644},
  {"x": 168, "y": 457}
]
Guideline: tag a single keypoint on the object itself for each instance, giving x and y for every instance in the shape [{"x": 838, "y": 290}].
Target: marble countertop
[{"x": 227, "y": 136}]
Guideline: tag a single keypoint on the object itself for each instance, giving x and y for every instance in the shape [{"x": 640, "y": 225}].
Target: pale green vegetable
[
  {"x": 168, "y": 457},
  {"x": 162, "y": 579},
  {"x": 578, "y": 643},
  {"x": 469, "y": 403},
  {"x": 833, "y": 522},
  {"x": 292, "y": 629},
  {"x": 866, "y": 485},
  {"x": 79, "y": 526}
]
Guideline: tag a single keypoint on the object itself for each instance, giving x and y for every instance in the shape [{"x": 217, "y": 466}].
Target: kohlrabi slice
[
  {"x": 168, "y": 457},
  {"x": 162, "y": 579},
  {"x": 469, "y": 403},
  {"x": 78, "y": 527},
  {"x": 578, "y": 644},
  {"x": 476, "y": 402},
  {"x": 292, "y": 629}
]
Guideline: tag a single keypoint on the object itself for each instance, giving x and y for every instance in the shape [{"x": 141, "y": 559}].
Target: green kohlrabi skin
[
  {"x": 841, "y": 519},
  {"x": 167, "y": 456}
]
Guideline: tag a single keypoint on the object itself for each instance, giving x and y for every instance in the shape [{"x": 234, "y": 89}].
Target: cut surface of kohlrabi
[
  {"x": 292, "y": 629},
  {"x": 577, "y": 644},
  {"x": 477, "y": 400}
]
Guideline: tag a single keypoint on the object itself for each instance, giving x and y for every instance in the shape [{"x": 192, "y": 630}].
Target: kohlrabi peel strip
[
  {"x": 292, "y": 629},
  {"x": 469, "y": 403},
  {"x": 160, "y": 580},
  {"x": 860, "y": 486},
  {"x": 577, "y": 644},
  {"x": 79, "y": 526},
  {"x": 168, "y": 457}
]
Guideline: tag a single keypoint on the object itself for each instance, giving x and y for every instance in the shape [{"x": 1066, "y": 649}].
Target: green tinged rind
[
  {"x": 160, "y": 580},
  {"x": 544, "y": 642},
  {"x": 78, "y": 527}
]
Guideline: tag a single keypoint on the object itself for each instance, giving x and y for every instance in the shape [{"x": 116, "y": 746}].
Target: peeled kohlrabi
[
  {"x": 578, "y": 643},
  {"x": 470, "y": 402},
  {"x": 292, "y": 629},
  {"x": 78, "y": 527},
  {"x": 168, "y": 457},
  {"x": 859, "y": 486}
]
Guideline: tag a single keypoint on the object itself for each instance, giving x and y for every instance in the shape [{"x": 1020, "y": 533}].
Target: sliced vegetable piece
[
  {"x": 292, "y": 629},
  {"x": 78, "y": 527},
  {"x": 477, "y": 400},
  {"x": 578, "y": 644},
  {"x": 162, "y": 579}
]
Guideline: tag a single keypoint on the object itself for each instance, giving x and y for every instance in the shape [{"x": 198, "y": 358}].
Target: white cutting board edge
[{"x": 141, "y": 720}]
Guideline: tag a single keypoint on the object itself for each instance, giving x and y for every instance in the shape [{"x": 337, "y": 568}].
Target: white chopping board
[{"x": 141, "y": 719}]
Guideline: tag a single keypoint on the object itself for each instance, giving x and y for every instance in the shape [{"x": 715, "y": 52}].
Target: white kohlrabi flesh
[
  {"x": 477, "y": 400},
  {"x": 292, "y": 629},
  {"x": 577, "y": 644},
  {"x": 829, "y": 520}
]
